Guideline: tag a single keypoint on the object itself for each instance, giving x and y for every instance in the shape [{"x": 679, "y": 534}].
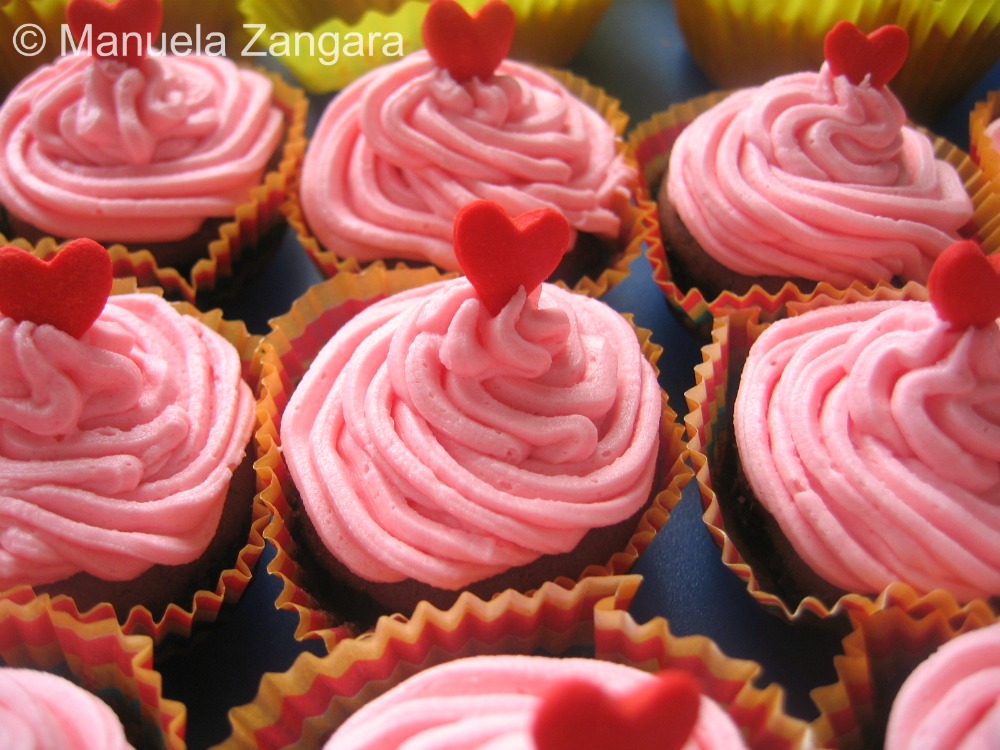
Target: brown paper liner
[
  {"x": 637, "y": 219},
  {"x": 286, "y": 354},
  {"x": 879, "y": 654},
  {"x": 709, "y": 426},
  {"x": 651, "y": 142},
  {"x": 300, "y": 708},
  {"x": 99, "y": 657}
]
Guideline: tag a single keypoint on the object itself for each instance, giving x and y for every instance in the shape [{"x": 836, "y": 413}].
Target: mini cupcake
[
  {"x": 126, "y": 487},
  {"x": 862, "y": 449},
  {"x": 954, "y": 43},
  {"x": 560, "y": 669},
  {"x": 400, "y": 151},
  {"x": 811, "y": 181},
  {"x": 477, "y": 433},
  {"x": 185, "y": 155}
]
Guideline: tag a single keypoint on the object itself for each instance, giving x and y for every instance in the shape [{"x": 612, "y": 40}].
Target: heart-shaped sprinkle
[
  {"x": 852, "y": 53},
  {"x": 964, "y": 285},
  {"x": 130, "y": 24},
  {"x": 578, "y": 715},
  {"x": 468, "y": 46},
  {"x": 499, "y": 255},
  {"x": 68, "y": 291}
]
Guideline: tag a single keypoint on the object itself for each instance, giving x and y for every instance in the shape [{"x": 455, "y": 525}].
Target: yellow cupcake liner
[
  {"x": 651, "y": 142},
  {"x": 99, "y": 657},
  {"x": 286, "y": 353},
  {"x": 878, "y": 655},
  {"x": 637, "y": 218},
  {"x": 708, "y": 423},
  {"x": 741, "y": 42},
  {"x": 300, "y": 708},
  {"x": 326, "y": 46},
  {"x": 31, "y": 34}
]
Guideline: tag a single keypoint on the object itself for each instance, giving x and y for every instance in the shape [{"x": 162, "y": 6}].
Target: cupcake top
[
  {"x": 496, "y": 419},
  {"x": 399, "y": 151},
  {"x": 132, "y": 145},
  {"x": 952, "y": 699},
  {"x": 121, "y": 421},
  {"x": 43, "y": 711},
  {"x": 534, "y": 702},
  {"x": 871, "y": 433},
  {"x": 817, "y": 175}
]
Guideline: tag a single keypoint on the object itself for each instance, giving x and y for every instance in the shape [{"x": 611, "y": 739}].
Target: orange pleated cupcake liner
[
  {"x": 99, "y": 657},
  {"x": 881, "y": 651},
  {"x": 637, "y": 219},
  {"x": 286, "y": 353},
  {"x": 301, "y": 707},
  {"x": 984, "y": 151},
  {"x": 652, "y": 140},
  {"x": 708, "y": 421}
]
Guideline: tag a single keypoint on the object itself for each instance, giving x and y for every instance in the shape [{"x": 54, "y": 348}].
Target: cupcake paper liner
[
  {"x": 651, "y": 142},
  {"x": 985, "y": 153},
  {"x": 638, "y": 219},
  {"x": 301, "y": 707},
  {"x": 709, "y": 426},
  {"x": 952, "y": 44},
  {"x": 100, "y": 658},
  {"x": 881, "y": 651},
  {"x": 286, "y": 354}
]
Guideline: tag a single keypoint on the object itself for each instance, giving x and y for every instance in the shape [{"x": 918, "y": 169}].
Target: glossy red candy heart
[
  {"x": 964, "y": 285},
  {"x": 852, "y": 53},
  {"x": 578, "y": 715},
  {"x": 468, "y": 46},
  {"x": 106, "y": 20},
  {"x": 68, "y": 292},
  {"x": 499, "y": 254}
]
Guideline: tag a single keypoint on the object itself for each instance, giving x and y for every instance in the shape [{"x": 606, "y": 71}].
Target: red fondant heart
[
  {"x": 468, "y": 46},
  {"x": 499, "y": 254},
  {"x": 67, "y": 292},
  {"x": 852, "y": 53},
  {"x": 964, "y": 285},
  {"x": 106, "y": 20},
  {"x": 578, "y": 715}
]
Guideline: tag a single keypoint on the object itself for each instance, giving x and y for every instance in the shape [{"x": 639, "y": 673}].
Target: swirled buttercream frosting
[
  {"x": 43, "y": 711},
  {"x": 951, "y": 701},
  {"x": 810, "y": 176},
  {"x": 116, "y": 450},
  {"x": 492, "y": 701},
  {"x": 401, "y": 150},
  {"x": 94, "y": 147},
  {"x": 871, "y": 433},
  {"x": 432, "y": 441}
]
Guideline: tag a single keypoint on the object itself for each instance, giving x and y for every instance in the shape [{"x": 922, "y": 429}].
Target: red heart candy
[
  {"x": 578, "y": 715},
  {"x": 68, "y": 292},
  {"x": 499, "y": 255},
  {"x": 853, "y": 54},
  {"x": 468, "y": 46},
  {"x": 964, "y": 285},
  {"x": 142, "y": 17}
]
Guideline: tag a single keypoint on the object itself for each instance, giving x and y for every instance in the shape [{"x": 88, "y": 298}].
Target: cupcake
[
  {"x": 984, "y": 147},
  {"x": 125, "y": 424},
  {"x": 123, "y": 143},
  {"x": 397, "y": 153},
  {"x": 477, "y": 433},
  {"x": 863, "y": 444}
]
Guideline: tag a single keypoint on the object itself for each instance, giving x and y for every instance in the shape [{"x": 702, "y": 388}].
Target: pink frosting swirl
[
  {"x": 491, "y": 701},
  {"x": 43, "y": 711},
  {"x": 116, "y": 450},
  {"x": 96, "y": 148},
  {"x": 431, "y": 441},
  {"x": 871, "y": 432},
  {"x": 951, "y": 701},
  {"x": 401, "y": 150},
  {"x": 810, "y": 176}
]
